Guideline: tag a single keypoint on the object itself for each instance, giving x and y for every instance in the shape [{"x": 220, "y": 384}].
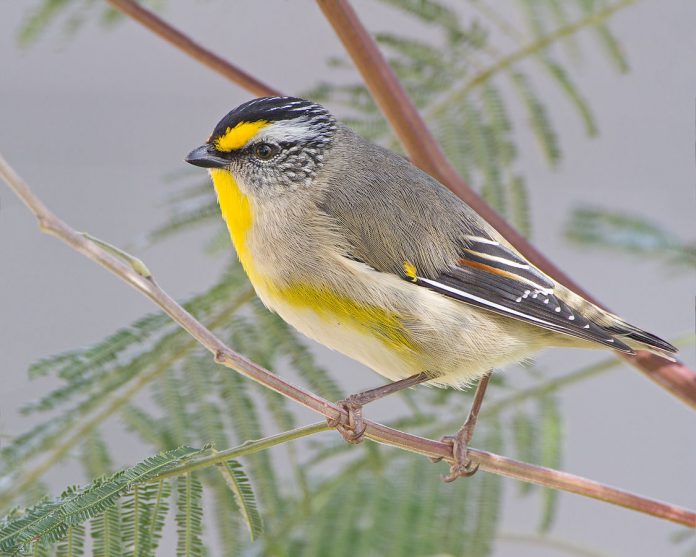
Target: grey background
[{"x": 94, "y": 123}]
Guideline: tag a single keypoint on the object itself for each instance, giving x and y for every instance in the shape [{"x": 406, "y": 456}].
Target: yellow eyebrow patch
[{"x": 237, "y": 137}]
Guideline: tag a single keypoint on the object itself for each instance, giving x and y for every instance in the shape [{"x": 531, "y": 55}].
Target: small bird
[{"x": 365, "y": 253}]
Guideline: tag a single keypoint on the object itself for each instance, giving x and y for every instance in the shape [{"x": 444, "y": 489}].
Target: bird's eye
[{"x": 265, "y": 151}]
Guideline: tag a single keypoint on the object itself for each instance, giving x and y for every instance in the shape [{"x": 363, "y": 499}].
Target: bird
[{"x": 363, "y": 252}]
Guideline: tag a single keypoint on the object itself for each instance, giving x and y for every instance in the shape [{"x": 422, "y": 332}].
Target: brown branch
[
  {"x": 192, "y": 48},
  {"x": 51, "y": 224},
  {"x": 425, "y": 152}
]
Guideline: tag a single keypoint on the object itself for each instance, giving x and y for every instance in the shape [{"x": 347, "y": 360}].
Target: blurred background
[{"x": 587, "y": 146}]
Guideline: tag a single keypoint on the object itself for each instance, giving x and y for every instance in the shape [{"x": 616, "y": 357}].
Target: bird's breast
[
  {"x": 238, "y": 213},
  {"x": 318, "y": 304}
]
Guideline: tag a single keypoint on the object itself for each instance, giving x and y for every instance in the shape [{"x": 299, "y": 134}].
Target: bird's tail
[
  {"x": 630, "y": 335},
  {"x": 641, "y": 340}
]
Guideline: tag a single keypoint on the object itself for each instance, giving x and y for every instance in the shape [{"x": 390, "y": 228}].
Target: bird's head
[{"x": 269, "y": 145}]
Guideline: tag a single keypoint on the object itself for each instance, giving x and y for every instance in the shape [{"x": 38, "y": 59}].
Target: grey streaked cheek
[{"x": 291, "y": 171}]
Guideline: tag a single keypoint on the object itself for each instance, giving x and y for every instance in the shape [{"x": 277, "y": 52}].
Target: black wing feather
[{"x": 499, "y": 281}]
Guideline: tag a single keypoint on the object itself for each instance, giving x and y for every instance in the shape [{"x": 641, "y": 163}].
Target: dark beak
[{"x": 205, "y": 157}]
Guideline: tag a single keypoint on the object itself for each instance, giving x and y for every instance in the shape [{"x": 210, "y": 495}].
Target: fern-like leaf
[
  {"x": 550, "y": 447},
  {"x": 628, "y": 234},
  {"x": 106, "y": 533},
  {"x": 159, "y": 509},
  {"x": 569, "y": 88},
  {"x": 238, "y": 482},
  {"x": 524, "y": 436},
  {"x": 538, "y": 118},
  {"x": 73, "y": 544},
  {"x": 49, "y": 520},
  {"x": 432, "y": 12},
  {"x": 189, "y": 517},
  {"x": 95, "y": 456},
  {"x": 520, "y": 212}
]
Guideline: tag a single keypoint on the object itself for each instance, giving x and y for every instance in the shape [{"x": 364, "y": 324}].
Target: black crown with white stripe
[{"x": 276, "y": 109}]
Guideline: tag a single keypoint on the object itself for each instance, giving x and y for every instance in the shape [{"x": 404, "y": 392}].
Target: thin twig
[
  {"x": 51, "y": 224},
  {"x": 245, "y": 449},
  {"x": 425, "y": 152},
  {"x": 192, "y": 48}
]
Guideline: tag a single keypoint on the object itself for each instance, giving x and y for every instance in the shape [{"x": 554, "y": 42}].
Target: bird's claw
[
  {"x": 463, "y": 466},
  {"x": 353, "y": 428}
]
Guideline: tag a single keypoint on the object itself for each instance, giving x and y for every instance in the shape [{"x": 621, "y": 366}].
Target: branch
[
  {"x": 184, "y": 43},
  {"x": 425, "y": 152},
  {"x": 51, "y": 224},
  {"x": 245, "y": 449}
]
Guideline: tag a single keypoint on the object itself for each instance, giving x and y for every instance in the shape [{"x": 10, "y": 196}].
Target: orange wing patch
[{"x": 488, "y": 268}]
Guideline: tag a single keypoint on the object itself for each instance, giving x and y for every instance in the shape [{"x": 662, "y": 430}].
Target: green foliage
[
  {"x": 524, "y": 431},
  {"x": 91, "y": 377},
  {"x": 106, "y": 533},
  {"x": 550, "y": 448},
  {"x": 73, "y": 544},
  {"x": 143, "y": 512},
  {"x": 399, "y": 508},
  {"x": 50, "y": 519},
  {"x": 189, "y": 517},
  {"x": 239, "y": 484},
  {"x": 629, "y": 234},
  {"x": 538, "y": 438}
]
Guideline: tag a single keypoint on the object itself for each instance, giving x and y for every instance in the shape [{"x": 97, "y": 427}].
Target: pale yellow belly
[{"x": 454, "y": 342}]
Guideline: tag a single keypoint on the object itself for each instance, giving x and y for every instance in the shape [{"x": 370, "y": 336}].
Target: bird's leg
[
  {"x": 353, "y": 428},
  {"x": 463, "y": 466}
]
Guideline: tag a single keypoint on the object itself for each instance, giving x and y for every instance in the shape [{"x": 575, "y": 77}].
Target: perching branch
[
  {"x": 51, "y": 224},
  {"x": 419, "y": 143}
]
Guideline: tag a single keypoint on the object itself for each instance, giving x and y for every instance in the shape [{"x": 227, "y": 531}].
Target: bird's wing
[
  {"x": 491, "y": 276},
  {"x": 397, "y": 219}
]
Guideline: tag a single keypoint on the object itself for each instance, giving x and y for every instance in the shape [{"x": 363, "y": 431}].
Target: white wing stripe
[
  {"x": 481, "y": 240},
  {"x": 485, "y": 302},
  {"x": 499, "y": 259}
]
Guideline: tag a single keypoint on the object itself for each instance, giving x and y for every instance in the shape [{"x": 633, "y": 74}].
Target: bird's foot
[
  {"x": 462, "y": 466},
  {"x": 352, "y": 428}
]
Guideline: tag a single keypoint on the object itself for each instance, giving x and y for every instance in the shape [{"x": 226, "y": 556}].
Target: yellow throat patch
[
  {"x": 237, "y": 137},
  {"x": 238, "y": 214},
  {"x": 234, "y": 204}
]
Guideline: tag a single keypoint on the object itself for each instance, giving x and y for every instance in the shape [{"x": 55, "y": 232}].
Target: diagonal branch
[
  {"x": 192, "y": 48},
  {"x": 421, "y": 146},
  {"x": 425, "y": 152},
  {"x": 51, "y": 224}
]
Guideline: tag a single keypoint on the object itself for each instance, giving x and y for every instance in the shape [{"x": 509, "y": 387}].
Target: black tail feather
[{"x": 639, "y": 335}]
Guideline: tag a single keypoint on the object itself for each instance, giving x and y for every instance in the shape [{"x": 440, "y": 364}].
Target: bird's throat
[{"x": 238, "y": 213}]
